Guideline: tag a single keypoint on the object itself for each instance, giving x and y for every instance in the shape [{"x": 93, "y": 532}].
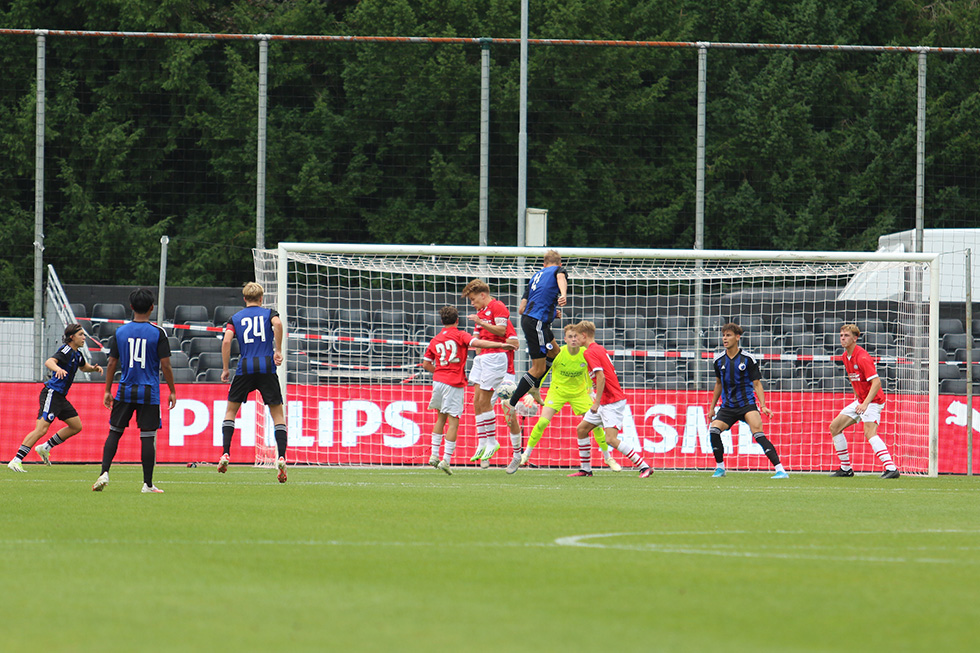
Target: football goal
[{"x": 358, "y": 319}]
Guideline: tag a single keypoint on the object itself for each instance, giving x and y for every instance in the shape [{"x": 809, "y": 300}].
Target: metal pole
[
  {"x": 39, "y": 207},
  {"x": 484, "y": 140},
  {"x": 920, "y": 153},
  {"x": 699, "y": 205},
  {"x": 522, "y": 134},
  {"x": 260, "y": 162},
  {"x": 968, "y": 280},
  {"x": 933, "y": 331},
  {"x": 162, "y": 287}
]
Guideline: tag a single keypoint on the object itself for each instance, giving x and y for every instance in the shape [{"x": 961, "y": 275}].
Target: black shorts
[
  {"x": 737, "y": 414},
  {"x": 54, "y": 405},
  {"x": 267, "y": 384},
  {"x": 147, "y": 416},
  {"x": 538, "y": 336}
]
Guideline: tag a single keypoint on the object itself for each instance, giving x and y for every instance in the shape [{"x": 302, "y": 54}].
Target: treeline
[{"x": 381, "y": 142}]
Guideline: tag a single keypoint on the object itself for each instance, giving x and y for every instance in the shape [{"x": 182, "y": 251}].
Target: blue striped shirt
[
  {"x": 69, "y": 360},
  {"x": 139, "y": 347},
  {"x": 256, "y": 340},
  {"x": 543, "y": 292},
  {"x": 736, "y": 375}
]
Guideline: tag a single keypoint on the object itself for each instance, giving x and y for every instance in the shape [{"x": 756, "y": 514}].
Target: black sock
[
  {"x": 281, "y": 439},
  {"x": 148, "y": 454},
  {"x": 717, "y": 447},
  {"x": 526, "y": 383},
  {"x": 227, "y": 432},
  {"x": 22, "y": 451},
  {"x": 54, "y": 440},
  {"x": 767, "y": 448},
  {"x": 109, "y": 450}
]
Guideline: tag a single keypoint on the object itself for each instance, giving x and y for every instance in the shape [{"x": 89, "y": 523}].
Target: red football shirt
[
  {"x": 861, "y": 371},
  {"x": 598, "y": 359},
  {"x": 447, "y": 352},
  {"x": 510, "y": 333},
  {"x": 495, "y": 313}
]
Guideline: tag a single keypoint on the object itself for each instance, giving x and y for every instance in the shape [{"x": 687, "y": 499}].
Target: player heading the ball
[{"x": 738, "y": 382}]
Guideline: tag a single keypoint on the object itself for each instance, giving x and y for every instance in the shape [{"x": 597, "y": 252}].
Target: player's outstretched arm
[{"x": 760, "y": 395}]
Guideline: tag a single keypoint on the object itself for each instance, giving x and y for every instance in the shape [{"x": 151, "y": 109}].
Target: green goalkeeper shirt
[{"x": 570, "y": 373}]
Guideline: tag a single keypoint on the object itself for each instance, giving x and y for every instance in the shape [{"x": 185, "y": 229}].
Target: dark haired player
[
  {"x": 259, "y": 334},
  {"x": 141, "y": 350},
  {"x": 738, "y": 382},
  {"x": 54, "y": 398}
]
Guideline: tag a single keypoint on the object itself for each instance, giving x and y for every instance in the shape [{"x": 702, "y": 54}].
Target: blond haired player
[
  {"x": 490, "y": 368},
  {"x": 863, "y": 375},
  {"x": 608, "y": 408},
  {"x": 445, "y": 359},
  {"x": 570, "y": 385}
]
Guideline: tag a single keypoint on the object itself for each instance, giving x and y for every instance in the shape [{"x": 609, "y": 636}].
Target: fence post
[
  {"x": 263, "y": 92},
  {"x": 968, "y": 280},
  {"x": 484, "y": 139},
  {"x": 162, "y": 289},
  {"x": 39, "y": 207},
  {"x": 699, "y": 204},
  {"x": 522, "y": 133},
  {"x": 920, "y": 152}
]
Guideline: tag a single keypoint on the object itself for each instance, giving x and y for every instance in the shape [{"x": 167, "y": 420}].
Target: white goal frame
[{"x": 523, "y": 254}]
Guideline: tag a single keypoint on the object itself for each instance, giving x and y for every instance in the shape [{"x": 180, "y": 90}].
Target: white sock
[
  {"x": 881, "y": 450},
  {"x": 780, "y": 468},
  {"x": 436, "y": 443},
  {"x": 585, "y": 454},
  {"x": 448, "y": 451},
  {"x": 840, "y": 444},
  {"x": 720, "y": 465},
  {"x": 515, "y": 442}
]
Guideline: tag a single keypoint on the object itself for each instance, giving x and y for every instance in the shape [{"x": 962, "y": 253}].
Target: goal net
[{"x": 358, "y": 319}]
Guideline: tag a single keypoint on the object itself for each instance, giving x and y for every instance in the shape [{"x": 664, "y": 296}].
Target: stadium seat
[
  {"x": 179, "y": 359},
  {"x": 199, "y": 331},
  {"x": 174, "y": 343},
  {"x": 877, "y": 342},
  {"x": 828, "y": 325},
  {"x": 976, "y": 328},
  {"x": 315, "y": 318},
  {"x": 222, "y": 314},
  {"x": 954, "y": 341},
  {"x": 787, "y": 384},
  {"x": 779, "y": 370},
  {"x": 643, "y": 339},
  {"x": 793, "y": 324},
  {"x": 658, "y": 368},
  {"x": 353, "y": 317},
  {"x": 633, "y": 322},
  {"x": 206, "y": 361},
  {"x": 947, "y": 371},
  {"x": 184, "y": 375},
  {"x": 391, "y": 351},
  {"x": 98, "y": 358},
  {"x": 682, "y": 339},
  {"x": 952, "y": 387},
  {"x": 110, "y": 312},
  {"x": 673, "y": 322},
  {"x": 187, "y": 313},
  {"x": 947, "y": 326},
  {"x": 795, "y": 340},
  {"x": 960, "y": 355},
  {"x": 600, "y": 321},
  {"x": 78, "y": 310},
  {"x": 348, "y": 348},
  {"x": 210, "y": 375},
  {"x": 196, "y": 346},
  {"x": 105, "y": 330},
  {"x": 391, "y": 319},
  {"x": 749, "y": 322},
  {"x": 756, "y": 340}
]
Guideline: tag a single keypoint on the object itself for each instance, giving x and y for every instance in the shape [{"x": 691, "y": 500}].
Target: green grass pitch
[{"x": 413, "y": 560}]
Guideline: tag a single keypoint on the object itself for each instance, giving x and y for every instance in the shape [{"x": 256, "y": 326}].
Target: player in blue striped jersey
[
  {"x": 259, "y": 334},
  {"x": 546, "y": 291},
  {"x": 738, "y": 382},
  {"x": 54, "y": 398},
  {"x": 141, "y": 351}
]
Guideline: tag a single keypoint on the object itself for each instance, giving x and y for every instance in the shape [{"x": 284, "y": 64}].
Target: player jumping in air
[
  {"x": 738, "y": 382},
  {"x": 570, "y": 384},
  {"x": 546, "y": 292},
  {"x": 445, "y": 359},
  {"x": 259, "y": 334},
  {"x": 608, "y": 408},
  {"x": 861, "y": 372},
  {"x": 54, "y": 398}
]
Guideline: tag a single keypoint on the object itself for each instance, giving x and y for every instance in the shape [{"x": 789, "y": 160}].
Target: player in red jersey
[
  {"x": 608, "y": 408},
  {"x": 445, "y": 359},
  {"x": 490, "y": 369},
  {"x": 867, "y": 408}
]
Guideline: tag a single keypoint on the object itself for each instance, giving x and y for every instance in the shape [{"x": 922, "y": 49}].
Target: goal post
[{"x": 358, "y": 318}]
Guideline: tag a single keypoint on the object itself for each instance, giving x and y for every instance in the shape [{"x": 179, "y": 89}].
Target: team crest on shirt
[{"x": 741, "y": 367}]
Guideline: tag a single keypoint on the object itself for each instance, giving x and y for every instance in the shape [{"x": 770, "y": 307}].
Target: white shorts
[
  {"x": 447, "y": 399},
  {"x": 872, "y": 414},
  {"x": 609, "y": 415},
  {"x": 489, "y": 370}
]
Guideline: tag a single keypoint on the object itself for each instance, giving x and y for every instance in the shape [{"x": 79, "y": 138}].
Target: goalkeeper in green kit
[{"x": 570, "y": 384}]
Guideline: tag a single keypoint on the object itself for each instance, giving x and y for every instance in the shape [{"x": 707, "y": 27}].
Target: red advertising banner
[{"x": 354, "y": 424}]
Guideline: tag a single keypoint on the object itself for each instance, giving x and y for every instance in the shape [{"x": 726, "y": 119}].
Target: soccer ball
[
  {"x": 506, "y": 390},
  {"x": 527, "y": 406}
]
